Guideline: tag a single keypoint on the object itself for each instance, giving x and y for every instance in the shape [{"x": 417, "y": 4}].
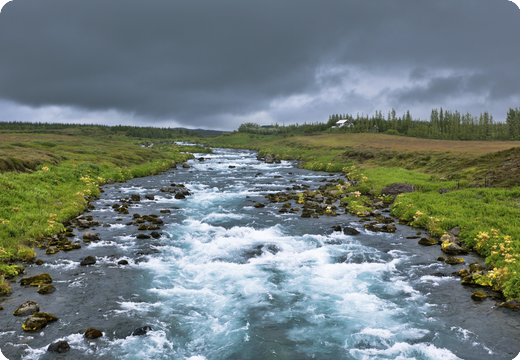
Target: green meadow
[{"x": 48, "y": 178}]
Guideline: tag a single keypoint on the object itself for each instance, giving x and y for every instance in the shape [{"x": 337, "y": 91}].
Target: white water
[{"x": 230, "y": 281}]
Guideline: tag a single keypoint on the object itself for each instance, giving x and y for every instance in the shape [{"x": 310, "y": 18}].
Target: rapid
[{"x": 227, "y": 280}]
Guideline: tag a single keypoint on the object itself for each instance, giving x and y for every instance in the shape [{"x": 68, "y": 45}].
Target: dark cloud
[{"x": 201, "y": 61}]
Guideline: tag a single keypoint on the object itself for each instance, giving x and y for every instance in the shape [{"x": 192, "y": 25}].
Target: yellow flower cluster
[
  {"x": 45, "y": 168},
  {"x": 418, "y": 214},
  {"x": 356, "y": 194},
  {"x": 52, "y": 216},
  {"x": 4, "y": 222}
]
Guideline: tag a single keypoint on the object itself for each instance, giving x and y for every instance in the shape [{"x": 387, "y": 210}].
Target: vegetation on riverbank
[
  {"x": 466, "y": 184},
  {"x": 50, "y": 178}
]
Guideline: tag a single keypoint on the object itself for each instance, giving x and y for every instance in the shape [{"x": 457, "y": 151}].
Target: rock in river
[
  {"x": 37, "y": 280},
  {"x": 89, "y": 260},
  {"x": 427, "y": 241},
  {"x": 350, "y": 231},
  {"x": 47, "y": 289},
  {"x": 59, "y": 346},
  {"x": 92, "y": 333},
  {"x": 27, "y": 308},
  {"x": 141, "y": 331}
]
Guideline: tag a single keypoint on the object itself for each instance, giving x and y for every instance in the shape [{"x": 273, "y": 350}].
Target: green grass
[
  {"x": 56, "y": 176},
  {"x": 488, "y": 216}
]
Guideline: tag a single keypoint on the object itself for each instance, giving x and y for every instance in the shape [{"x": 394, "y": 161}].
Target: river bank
[{"x": 228, "y": 278}]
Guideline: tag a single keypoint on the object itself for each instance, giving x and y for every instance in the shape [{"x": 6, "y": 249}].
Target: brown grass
[{"x": 402, "y": 143}]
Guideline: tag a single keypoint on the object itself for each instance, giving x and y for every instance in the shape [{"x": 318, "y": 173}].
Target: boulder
[
  {"x": 122, "y": 262},
  {"x": 88, "y": 236},
  {"x": 350, "y": 231},
  {"x": 454, "y": 261},
  {"x": 110, "y": 181},
  {"x": 185, "y": 166},
  {"x": 89, "y": 260},
  {"x": 52, "y": 250},
  {"x": 83, "y": 223},
  {"x": 155, "y": 234},
  {"x": 478, "y": 296},
  {"x": 475, "y": 267},
  {"x": 39, "y": 262},
  {"x": 37, "y": 280},
  {"x": 47, "y": 289},
  {"x": 512, "y": 304},
  {"x": 136, "y": 197},
  {"x": 59, "y": 347},
  {"x": 180, "y": 196},
  {"x": 141, "y": 331},
  {"x": 143, "y": 236},
  {"x": 427, "y": 241},
  {"x": 398, "y": 188},
  {"x": 27, "y": 308},
  {"x": 336, "y": 228},
  {"x": 149, "y": 197},
  {"x": 201, "y": 159},
  {"x": 45, "y": 315},
  {"x": 34, "y": 323},
  {"x": 452, "y": 248},
  {"x": 153, "y": 227},
  {"x": 142, "y": 227},
  {"x": 269, "y": 159},
  {"x": 463, "y": 273},
  {"x": 259, "y": 205},
  {"x": 92, "y": 333}
]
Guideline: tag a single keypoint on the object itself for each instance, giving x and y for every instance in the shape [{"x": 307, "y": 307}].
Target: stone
[
  {"x": 512, "y": 305},
  {"x": 165, "y": 211},
  {"x": 37, "y": 280},
  {"x": 143, "y": 236},
  {"x": 180, "y": 196},
  {"x": 89, "y": 260},
  {"x": 88, "y": 236},
  {"x": 47, "y": 289},
  {"x": 136, "y": 197},
  {"x": 83, "y": 223},
  {"x": 142, "y": 227},
  {"x": 269, "y": 159},
  {"x": 427, "y": 241},
  {"x": 141, "y": 331},
  {"x": 34, "y": 323},
  {"x": 350, "y": 231},
  {"x": 52, "y": 250},
  {"x": 454, "y": 261},
  {"x": 185, "y": 166},
  {"x": 164, "y": 189},
  {"x": 149, "y": 197},
  {"x": 398, "y": 188},
  {"x": 336, "y": 228},
  {"x": 39, "y": 262},
  {"x": 259, "y": 205},
  {"x": 158, "y": 221},
  {"x": 475, "y": 267},
  {"x": 45, "y": 315},
  {"x": 463, "y": 273},
  {"x": 153, "y": 227},
  {"x": 478, "y": 296},
  {"x": 92, "y": 333},
  {"x": 110, "y": 181},
  {"x": 231, "y": 166},
  {"x": 440, "y": 258},
  {"x": 59, "y": 347},
  {"x": 155, "y": 234},
  {"x": 27, "y": 308},
  {"x": 136, "y": 216},
  {"x": 122, "y": 262}
]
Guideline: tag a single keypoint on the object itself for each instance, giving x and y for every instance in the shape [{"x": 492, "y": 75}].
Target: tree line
[
  {"x": 447, "y": 125},
  {"x": 131, "y": 131}
]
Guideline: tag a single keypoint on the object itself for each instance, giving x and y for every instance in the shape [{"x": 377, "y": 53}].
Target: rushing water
[{"x": 230, "y": 281}]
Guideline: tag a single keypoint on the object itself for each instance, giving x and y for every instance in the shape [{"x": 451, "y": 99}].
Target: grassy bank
[
  {"x": 482, "y": 179},
  {"x": 50, "y": 178}
]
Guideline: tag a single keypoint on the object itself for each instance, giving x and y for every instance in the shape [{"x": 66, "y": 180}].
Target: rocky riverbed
[{"x": 221, "y": 259}]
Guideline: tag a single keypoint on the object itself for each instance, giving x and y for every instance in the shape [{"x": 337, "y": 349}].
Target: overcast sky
[{"x": 216, "y": 64}]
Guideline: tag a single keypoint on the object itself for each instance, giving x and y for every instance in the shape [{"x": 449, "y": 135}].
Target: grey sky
[{"x": 216, "y": 64}]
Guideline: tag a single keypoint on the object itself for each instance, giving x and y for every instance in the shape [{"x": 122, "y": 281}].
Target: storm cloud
[{"x": 215, "y": 64}]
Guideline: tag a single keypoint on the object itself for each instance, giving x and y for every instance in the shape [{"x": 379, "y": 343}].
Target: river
[{"x": 227, "y": 280}]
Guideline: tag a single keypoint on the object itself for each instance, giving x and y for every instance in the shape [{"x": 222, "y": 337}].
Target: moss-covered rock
[
  {"x": 142, "y": 227},
  {"x": 475, "y": 267},
  {"x": 47, "y": 289},
  {"x": 89, "y": 260},
  {"x": 34, "y": 323},
  {"x": 37, "y": 280},
  {"x": 92, "y": 333},
  {"x": 454, "y": 261},
  {"x": 464, "y": 273},
  {"x": 427, "y": 241},
  {"x": 511, "y": 304},
  {"x": 45, "y": 315},
  {"x": 27, "y": 308},
  {"x": 478, "y": 296},
  {"x": 39, "y": 262}
]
